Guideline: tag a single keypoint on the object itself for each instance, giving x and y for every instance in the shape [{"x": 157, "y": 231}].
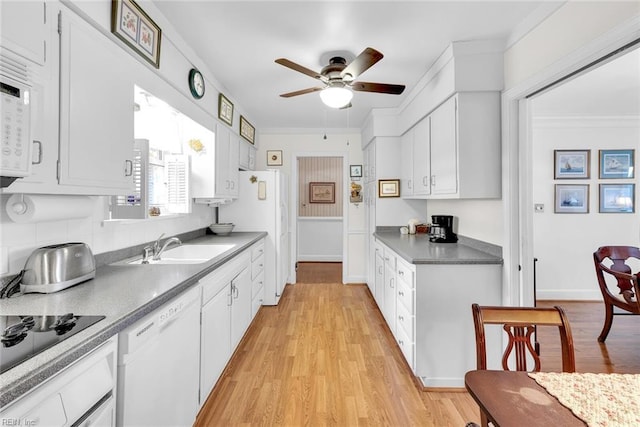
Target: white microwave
[{"x": 15, "y": 138}]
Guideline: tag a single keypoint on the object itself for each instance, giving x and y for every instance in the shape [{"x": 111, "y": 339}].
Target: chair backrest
[
  {"x": 519, "y": 324},
  {"x": 620, "y": 270}
]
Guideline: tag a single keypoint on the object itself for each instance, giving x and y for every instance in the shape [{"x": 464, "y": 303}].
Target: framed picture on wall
[
  {"x": 356, "y": 171},
  {"x": 388, "y": 188},
  {"x": 617, "y": 198},
  {"x": 572, "y": 198},
  {"x": 134, "y": 27},
  {"x": 616, "y": 164},
  {"x": 571, "y": 164},
  {"x": 322, "y": 192}
]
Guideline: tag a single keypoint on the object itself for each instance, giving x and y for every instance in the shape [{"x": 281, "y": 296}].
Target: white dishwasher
[{"x": 158, "y": 365}]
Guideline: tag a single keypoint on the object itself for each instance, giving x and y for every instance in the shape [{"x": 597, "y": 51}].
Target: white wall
[
  {"x": 564, "y": 243},
  {"x": 297, "y": 142}
]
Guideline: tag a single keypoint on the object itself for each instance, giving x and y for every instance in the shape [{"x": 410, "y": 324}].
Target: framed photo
[
  {"x": 274, "y": 157},
  {"x": 616, "y": 164},
  {"x": 388, "y": 188},
  {"x": 617, "y": 198},
  {"x": 571, "y": 164},
  {"x": 134, "y": 27},
  {"x": 572, "y": 198},
  {"x": 356, "y": 171},
  {"x": 322, "y": 192},
  {"x": 247, "y": 131},
  {"x": 225, "y": 110}
]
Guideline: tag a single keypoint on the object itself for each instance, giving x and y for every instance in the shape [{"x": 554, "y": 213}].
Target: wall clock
[{"x": 196, "y": 83}]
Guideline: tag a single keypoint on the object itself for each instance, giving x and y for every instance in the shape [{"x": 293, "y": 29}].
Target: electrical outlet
[{"x": 538, "y": 208}]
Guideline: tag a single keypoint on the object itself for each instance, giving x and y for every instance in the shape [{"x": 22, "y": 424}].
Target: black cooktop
[{"x": 22, "y": 337}]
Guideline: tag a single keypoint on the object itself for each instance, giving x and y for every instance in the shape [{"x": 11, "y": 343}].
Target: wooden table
[{"x": 514, "y": 399}]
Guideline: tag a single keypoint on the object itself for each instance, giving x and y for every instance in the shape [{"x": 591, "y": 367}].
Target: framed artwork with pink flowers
[{"x": 134, "y": 27}]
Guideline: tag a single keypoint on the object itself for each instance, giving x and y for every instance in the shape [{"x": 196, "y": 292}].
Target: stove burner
[
  {"x": 26, "y": 336},
  {"x": 11, "y": 332}
]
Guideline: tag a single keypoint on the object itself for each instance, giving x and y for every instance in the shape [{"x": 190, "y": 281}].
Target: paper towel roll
[{"x": 25, "y": 208}]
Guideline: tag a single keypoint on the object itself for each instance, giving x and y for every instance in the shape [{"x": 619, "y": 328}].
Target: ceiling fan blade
[
  {"x": 299, "y": 68},
  {"x": 378, "y": 87},
  {"x": 349, "y": 105},
  {"x": 301, "y": 92},
  {"x": 361, "y": 63}
]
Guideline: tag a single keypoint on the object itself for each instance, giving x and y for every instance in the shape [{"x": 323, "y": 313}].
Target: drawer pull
[
  {"x": 401, "y": 342},
  {"x": 401, "y": 318},
  {"x": 401, "y": 273},
  {"x": 401, "y": 293}
]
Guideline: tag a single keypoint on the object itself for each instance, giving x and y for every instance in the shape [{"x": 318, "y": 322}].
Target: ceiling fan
[{"x": 339, "y": 79}]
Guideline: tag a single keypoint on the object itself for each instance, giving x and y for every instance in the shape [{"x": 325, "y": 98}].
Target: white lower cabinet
[
  {"x": 82, "y": 394},
  {"x": 432, "y": 321},
  {"x": 229, "y": 295}
]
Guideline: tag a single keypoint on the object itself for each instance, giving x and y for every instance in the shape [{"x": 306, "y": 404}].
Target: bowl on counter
[{"x": 222, "y": 229}]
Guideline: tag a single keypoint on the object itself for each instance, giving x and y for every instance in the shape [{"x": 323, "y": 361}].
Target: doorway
[
  {"x": 518, "y": 151},
  {"x": 319, "y": 209},
  {"x": 575, "y": 127}
]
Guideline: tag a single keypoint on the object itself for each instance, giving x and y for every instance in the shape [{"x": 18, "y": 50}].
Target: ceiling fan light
[{"x": 336, "y": 97}]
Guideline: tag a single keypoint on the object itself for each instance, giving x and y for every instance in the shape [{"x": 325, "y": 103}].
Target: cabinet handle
[
  {"x": 128, "y": 168},
  {"x": 401, "y": 273},
  {"x": 39, "y": 144},
  {"x": 380, "y": 270},
  {"x": 433, "y": 180},
  {"x": 386, "y": 258},
  {"x": 401, "y": 318},
  {"x": 401, "y": 293},
  {"x": 391, "y": 282},
  {"x": 424, "y": 181},
  {"x": 409, "y": 184},
  {"x": 401, "y": 342}
]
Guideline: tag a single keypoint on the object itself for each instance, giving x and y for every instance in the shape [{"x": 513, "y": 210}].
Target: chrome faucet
[{"x": 158, "y": 250}]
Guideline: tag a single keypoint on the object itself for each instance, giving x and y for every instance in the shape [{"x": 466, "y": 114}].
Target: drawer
[
  {"x": 405, "y": 321},
  {"x": 257, "y": 250},
  {"x": 405, "y": 296},
  {"x": 257, "y": 266},
  {"x": 405, "y": 272},
  {"x": 407, "y": 346},
  {"x": 257, "y": 284}
]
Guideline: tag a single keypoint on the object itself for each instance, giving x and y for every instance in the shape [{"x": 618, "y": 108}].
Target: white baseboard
[
  {"x": 572, "y": 295},
  {"x": 355, "y": 280},
  {"x": 320, "y": 258}
]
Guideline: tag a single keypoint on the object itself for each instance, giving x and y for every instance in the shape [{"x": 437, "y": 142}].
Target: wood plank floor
[{"x": 324, "y": 356}]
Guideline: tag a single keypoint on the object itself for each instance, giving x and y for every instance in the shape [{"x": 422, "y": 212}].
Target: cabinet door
[
  {"x": 421, "y": 161},
  {"x": 23, "y": 28},
  {"x": 96, "y": 109},
  {"x": 444, "y": 149},
  {"x": 215, "y": 346},
  {"x": 241, "y": 306},
  {"x": 233, "y": 160},
  {"x": 379, "y": 278},
  {"x": 390, "y": 290},
  {"x": 406, "y": 174}
]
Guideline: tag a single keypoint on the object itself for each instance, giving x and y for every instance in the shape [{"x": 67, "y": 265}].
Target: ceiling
[{"x": 239, "y": 41}]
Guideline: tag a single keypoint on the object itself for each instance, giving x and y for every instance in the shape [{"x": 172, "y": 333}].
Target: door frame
[
  {"x": 293, "y": 212},
  {"x": 517, "y": 164}
]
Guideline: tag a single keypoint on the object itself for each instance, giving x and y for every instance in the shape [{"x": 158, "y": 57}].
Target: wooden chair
[
  {"x": 519, "y": 324},
  {"x": 618, "y": 272}
]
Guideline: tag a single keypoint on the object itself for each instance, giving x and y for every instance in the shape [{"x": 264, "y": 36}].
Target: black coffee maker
[{"x": 442, "y": 229}]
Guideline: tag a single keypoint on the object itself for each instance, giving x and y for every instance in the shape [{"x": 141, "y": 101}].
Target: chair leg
[
  {"x": 484, "y": 422},
  {"x": 608, "y": 320}
]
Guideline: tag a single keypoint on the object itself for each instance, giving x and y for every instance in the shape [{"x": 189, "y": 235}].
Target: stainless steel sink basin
[{"x": 186, "y": 254}]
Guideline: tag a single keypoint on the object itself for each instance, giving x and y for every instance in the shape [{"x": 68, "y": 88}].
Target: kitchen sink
[{"x": 186, "y": 254}]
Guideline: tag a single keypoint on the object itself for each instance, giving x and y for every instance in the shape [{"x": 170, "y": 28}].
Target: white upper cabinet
[
  {"x": 24, "y": 28},
  {"x": 421, "y": 160},
  {"x": 444, "y": 161},
  {"x": 247, "y": 157},
  {"x": 465, "y": 147},
  {"x": 215, "y": 172},
  {"x": 406, "y": 173},
  {"x": 96, "y": 109}
]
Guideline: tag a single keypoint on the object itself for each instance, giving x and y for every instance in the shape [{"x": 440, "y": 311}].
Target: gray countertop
[
  {"x": 121, "y": 293},
  {"x": 417, "y": 249}
]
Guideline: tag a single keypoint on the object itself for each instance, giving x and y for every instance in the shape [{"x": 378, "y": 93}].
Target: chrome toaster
[{"x": 57, "y": 267}]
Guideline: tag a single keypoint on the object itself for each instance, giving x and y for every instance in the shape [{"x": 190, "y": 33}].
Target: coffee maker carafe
[{"x": 442, "y": 229}]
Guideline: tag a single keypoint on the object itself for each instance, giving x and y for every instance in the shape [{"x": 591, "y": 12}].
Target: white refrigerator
[{"x": 262, "y": 206}]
